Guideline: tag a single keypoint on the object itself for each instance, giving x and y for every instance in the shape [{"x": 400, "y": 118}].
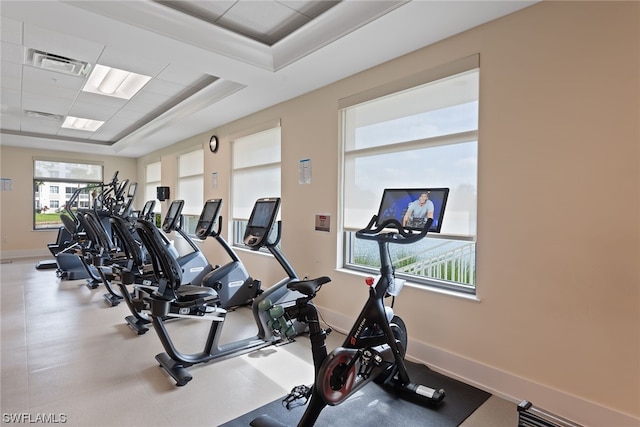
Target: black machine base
[
  {"x": 177, "y": 369},
  {"x": 112, "y": 300},
  {"x": 47, "y": 264},
  {"x": 138, "y": 325}
]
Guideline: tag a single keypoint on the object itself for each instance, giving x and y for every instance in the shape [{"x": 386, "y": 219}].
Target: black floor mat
[{"x": 374, "y": 405}]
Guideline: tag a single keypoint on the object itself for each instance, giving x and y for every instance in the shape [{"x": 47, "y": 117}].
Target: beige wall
[
  {"x": 16, "y": 221},
  {"x": 557, "y": 319},
  {"x": 558, "y": 316}
]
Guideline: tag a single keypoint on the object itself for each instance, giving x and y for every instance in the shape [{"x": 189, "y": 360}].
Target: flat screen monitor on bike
[
  {"x": 262, "y": 218},
  {"x": 208, "y": 218},
  {"x": 412, "y": 206},
  {"x": 172, "y": 218},
  {"x": 147, "y": 208},
  {"x": 133, "y": 187}
]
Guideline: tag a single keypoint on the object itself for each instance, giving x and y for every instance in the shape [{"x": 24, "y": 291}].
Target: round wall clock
[{"x": 213, "y": 143}]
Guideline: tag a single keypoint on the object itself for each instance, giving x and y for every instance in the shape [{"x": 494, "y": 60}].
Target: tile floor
[{"x": 67, "y": 355}]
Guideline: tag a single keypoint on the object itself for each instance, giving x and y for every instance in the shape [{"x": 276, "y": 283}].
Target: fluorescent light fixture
[
  {"x": 79, "y": 123},
  {"x": 114, "y": 82}
]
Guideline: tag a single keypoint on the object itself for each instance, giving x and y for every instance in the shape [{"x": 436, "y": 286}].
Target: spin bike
[{"x": 374, "y": 348}]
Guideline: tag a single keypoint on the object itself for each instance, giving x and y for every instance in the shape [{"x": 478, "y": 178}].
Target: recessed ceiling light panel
[
  {"x": 114, "y": 82},
  {"x": 79, "y": 123}
]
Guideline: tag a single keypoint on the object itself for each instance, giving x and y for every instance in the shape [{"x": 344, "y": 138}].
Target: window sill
[{"x": 427, "y": 288}]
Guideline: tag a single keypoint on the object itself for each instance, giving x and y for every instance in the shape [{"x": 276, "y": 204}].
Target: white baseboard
[
  {"x": 29, "y": 253},
  {"x": 503, "y": 384}
]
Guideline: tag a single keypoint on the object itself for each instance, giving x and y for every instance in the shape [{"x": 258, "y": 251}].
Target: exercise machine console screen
[
  {"x": 411, "y": 207},
  {"x": 173, "y": 215},
  {"x": 262, "y": 218},
  {"x": 133, "y": 188},
  {"x": 147, "y": 208},
  {"x": 208, "y": 218}
]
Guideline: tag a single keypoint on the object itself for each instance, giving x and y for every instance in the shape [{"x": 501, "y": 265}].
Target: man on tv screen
[{"x": 418, "y": 212}]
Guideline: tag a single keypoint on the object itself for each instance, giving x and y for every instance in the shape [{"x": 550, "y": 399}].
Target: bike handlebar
[{"x": 402, "y": 235}]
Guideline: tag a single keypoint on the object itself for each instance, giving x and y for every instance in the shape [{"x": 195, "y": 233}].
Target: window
[
  {"x": 191, "y": 187},
  {"x": 424, "y": 135},
  {"x": 78, "y": 180},
  {"x": 153, "y": 179},
  {"x": 255, "y": 174}
]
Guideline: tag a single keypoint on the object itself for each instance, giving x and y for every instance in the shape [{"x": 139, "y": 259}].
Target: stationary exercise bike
[
  {"x": 176, "y": 298},
  {"x": 375, "y": 346},
  {"x": 231, "y": 281},
  {"x": 72, "y": 237}
]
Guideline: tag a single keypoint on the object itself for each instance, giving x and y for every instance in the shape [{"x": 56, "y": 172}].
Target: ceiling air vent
[
  {"x": 53, "y": 62},
  {"x": 41, "y": 115}
]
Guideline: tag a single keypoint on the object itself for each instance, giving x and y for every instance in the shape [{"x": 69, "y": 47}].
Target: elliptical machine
[
  {"x": 170, "y": 300},
  {"x": 375, "y": 347}
]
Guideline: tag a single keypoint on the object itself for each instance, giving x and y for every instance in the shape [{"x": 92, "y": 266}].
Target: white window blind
[
  {"x": 256, "y": 170},
  {"x": 153, "y": 179},
  {"x": 44, "y": 169},
  {"x": 422, "y": 137},
  {"x": 191, "y": 182}
]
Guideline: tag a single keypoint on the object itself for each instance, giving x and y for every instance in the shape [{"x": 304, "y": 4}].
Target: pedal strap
[{"x": 298, "y": 393}]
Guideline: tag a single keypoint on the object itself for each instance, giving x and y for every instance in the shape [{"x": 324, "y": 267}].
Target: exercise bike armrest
[{"x": 308, "y": 287}]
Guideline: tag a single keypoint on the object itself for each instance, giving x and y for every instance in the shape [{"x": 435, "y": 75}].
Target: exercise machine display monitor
[
  {"x": 133, "y": 187},
  {"x": 172, "y": 218},
  {"x": 262, "y": 218},
  {"x": 208, "y": 217},
  {"x": 147, "y": 208},
  {"x": 412, "y": 206}
]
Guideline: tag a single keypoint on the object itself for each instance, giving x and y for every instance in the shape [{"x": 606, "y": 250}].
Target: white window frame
[
  {"x": 445, "y": 274},
  {"x": 190, "y": 187},
  {"x": 62, "y": 174},
  {"x": 152, "y": 179},
  {"x": 256, "y": 155}
]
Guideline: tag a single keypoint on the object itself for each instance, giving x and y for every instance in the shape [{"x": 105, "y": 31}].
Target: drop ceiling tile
[
  {"x": 11, "y": 75},
  {"x": 11, "y": 31},
  {"x": 207, "y": 10},
  {"x": 40, "y": 80},
  {"x": 166, "y": 88},
  {"x": 46, "y": 104},
  {"x": 90, "y": 110},
  {"x": 40, "y": 125},
  {"x": 106, "y": 133},
  {"x": 11, "y": 108},
  {"x": 126, "y": 117},
  {"x": 148, "y": 102},
  {"x": 262, "y": 20},
  {"x": 131, "y": 61},
  {"x": 10, "y": 98},
  {"x": 309, "y": 8},
  {"x": 109, "y": 102},
  {"x": 12, "y": 53},
  {"x": 74, "y": 133},
  {"x": 10, "y": 119},
  {"x": 123, "y": 123},
  {"x": 180, "y": 74}
]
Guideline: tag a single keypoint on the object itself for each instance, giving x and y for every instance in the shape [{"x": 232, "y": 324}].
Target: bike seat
[{"x": 310, "y": 286}]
